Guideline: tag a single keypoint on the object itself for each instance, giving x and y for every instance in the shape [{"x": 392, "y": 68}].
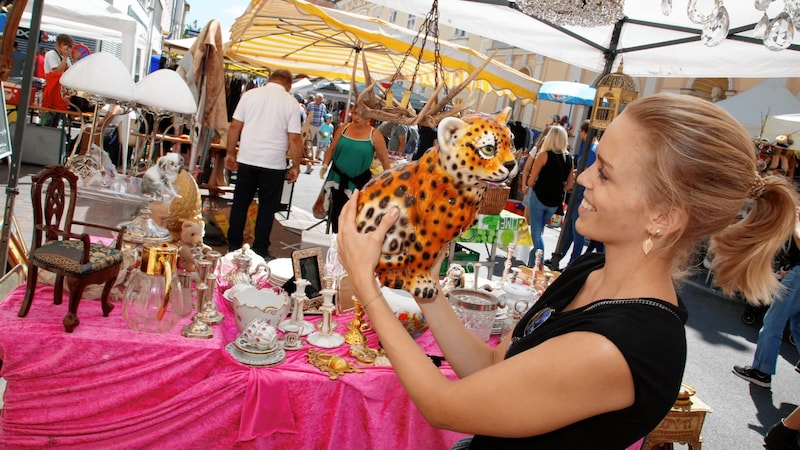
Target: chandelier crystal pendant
[
  {"x": 779, "y": 33},
  {"x": 579, "y": 13},
  {"x": 776, "y": 34}
]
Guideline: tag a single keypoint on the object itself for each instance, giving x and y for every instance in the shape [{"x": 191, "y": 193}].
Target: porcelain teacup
[{"x": 258, "y": 335}]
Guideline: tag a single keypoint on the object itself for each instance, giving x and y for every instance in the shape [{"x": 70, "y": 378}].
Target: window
[
  {"x": 392, "y": 16},
  {"x": 411, "y": 23},
  {"x": 458, "y": 33}
]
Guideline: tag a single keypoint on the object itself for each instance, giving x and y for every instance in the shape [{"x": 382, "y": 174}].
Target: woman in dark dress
[{"x": 598, "y": 360}]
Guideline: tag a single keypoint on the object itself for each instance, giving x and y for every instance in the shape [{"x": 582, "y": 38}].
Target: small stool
[{"x": 681, "y": 425}]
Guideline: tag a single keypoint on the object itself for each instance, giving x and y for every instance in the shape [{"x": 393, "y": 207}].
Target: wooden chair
[{"x": 57, "y": 249}]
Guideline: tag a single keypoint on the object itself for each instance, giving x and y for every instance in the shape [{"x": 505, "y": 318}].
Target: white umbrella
[{"x": 652, "y": 44}]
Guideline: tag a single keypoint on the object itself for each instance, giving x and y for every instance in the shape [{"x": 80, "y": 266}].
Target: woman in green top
[{"x": 351, "y": 151}]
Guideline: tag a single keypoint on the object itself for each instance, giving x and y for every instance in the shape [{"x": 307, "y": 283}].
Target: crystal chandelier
[
  {"x": 580, "y": 13},
  {"x": 776, "y": 34}
]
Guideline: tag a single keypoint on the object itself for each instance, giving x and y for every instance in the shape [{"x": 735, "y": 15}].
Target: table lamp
[
  {"x": 102, "y": 79},
  {"x": 163, "y": 94}
]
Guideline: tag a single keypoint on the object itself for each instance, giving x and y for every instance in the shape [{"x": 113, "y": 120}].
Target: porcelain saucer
[
  {"x": 271, "y": 358},
  {"x": 300, "y": 345}
]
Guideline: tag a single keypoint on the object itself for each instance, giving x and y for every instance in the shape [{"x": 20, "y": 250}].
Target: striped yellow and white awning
[{"x": 317, "y": 41}]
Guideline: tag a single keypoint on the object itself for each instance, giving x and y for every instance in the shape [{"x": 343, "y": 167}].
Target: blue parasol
[{"x": 567, "y": 92}]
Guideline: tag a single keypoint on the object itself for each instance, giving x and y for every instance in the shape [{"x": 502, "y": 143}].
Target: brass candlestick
[{"x": 199, "y": 328}]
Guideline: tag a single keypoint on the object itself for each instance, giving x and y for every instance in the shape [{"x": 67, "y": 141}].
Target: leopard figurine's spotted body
[{"x": 438, "y": 197}]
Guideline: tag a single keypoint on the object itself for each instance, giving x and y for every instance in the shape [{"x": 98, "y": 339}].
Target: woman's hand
[
  {"x": 360, "y": 252},
  {"x": 437, "y": 265}
]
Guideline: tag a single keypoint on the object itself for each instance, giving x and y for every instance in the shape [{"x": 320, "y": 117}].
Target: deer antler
[
  {"x": 451, "y": 95},
  {"x": 425, "y": 111},
  {"x": 431, "y": 113}
]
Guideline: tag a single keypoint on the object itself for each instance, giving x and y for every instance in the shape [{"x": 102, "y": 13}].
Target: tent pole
[
  {"x": 352, "y": 89},
  {"x": 19, "y": 131}
]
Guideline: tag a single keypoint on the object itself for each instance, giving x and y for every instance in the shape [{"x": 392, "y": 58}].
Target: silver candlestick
[
  {"x": 209, "y": 313},
  {"x": 296, "y": 323},
  {"x": 326, "y": 337},
  {"x": 506, "y": 278},
  {"x": 199, "y": 328}
]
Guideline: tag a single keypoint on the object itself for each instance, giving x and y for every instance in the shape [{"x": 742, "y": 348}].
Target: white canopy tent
[
  {"x": 758, "y": 106},
  {"x": 94, "y": 19},
  {"x": 652, "y": 45}
]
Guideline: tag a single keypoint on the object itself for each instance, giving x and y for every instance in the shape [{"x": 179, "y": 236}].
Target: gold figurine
[
  {"x": 363, "y": 354},
  {"x": 334, "y": 365},
  {"x": 355, "y": 328}
]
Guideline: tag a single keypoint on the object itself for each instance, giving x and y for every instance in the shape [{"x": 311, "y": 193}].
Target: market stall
[{"x": 167, "y": 391}]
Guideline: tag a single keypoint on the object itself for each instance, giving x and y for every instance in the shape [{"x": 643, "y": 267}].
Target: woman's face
[
  {"x": 614, "y": 208},
  {"x": 357, "y": 119}
]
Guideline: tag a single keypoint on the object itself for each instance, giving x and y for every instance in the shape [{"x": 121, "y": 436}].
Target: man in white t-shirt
[{"x": 266, "y": 118}]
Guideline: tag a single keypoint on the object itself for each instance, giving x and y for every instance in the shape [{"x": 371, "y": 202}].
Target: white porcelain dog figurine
[{"x": 157, "y": 181}]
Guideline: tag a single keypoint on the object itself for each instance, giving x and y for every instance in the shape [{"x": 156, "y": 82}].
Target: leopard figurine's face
[
  {"x": 438, "y": 197},
  {"x": 477, "y": 149}
]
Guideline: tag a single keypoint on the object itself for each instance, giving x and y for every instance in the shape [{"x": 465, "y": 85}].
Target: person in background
[
  {"x": 56, "y": 62},
  {"x": 573, "y": 237},
  {"x": 38, "y": 63},
  {"x": 17, "y": 60},
  {"x": 427, "y": 139},
  {"x": 58, "y": 59},
  {"x": 597, "y": 362},
  {"x": 315, "y": 112},
  {"x": 412, "y": 141},
  {"x": 305, "y": 136},
  {"x": 784, "y": 434},
  {"x": 110, "y": 127},
  {"x": 395, "y": 135},
  {"x": 784, "y": 308},
  {"x": 350, "y": 156},
  {"x": 549, "y": 177},
  {"x": 520, "y": 134},
  {"x": 398, "y": 139},
  {"x": 302, "y": 108},
  {"x": 526, "y": 162},
  {"x": 268, "y": 122},
  {"x": 325, "y": 136}
]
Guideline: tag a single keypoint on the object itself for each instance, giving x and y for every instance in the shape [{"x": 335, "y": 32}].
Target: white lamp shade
[
  {"x": 164, "y": 89},
  {"x": 100, "y": 74}
]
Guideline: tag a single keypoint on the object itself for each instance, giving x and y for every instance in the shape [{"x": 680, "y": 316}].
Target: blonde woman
[
  {"x": 598, "y": 360},
  {"x": 550, "y": 175},
  {"x": 522, "y": 184}
]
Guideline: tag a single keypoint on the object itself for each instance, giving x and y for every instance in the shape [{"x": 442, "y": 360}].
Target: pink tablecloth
[{"x": 106, "y": 386}]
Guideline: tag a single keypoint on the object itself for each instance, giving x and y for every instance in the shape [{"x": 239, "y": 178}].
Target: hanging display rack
[{"x": 373, "y": 106}]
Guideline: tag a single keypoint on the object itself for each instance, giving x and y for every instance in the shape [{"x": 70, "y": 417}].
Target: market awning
[{"x": 324, "y": 42}]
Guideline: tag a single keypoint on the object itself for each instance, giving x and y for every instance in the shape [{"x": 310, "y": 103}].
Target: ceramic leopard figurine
[{"x": 438, "y": 197}]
